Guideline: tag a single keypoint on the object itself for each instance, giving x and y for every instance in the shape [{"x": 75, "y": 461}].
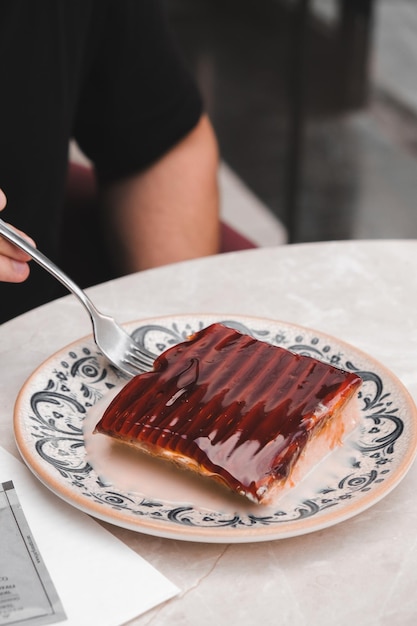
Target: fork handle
[{"x": 11, "y": 235}]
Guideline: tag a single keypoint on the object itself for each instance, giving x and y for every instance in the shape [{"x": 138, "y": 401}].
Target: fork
[{"x": 111, "y": 339}]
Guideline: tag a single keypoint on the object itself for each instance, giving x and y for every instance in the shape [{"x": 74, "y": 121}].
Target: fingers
[
  {"x": 2, "y": 200},
  {"x": 14, "y": 266}
]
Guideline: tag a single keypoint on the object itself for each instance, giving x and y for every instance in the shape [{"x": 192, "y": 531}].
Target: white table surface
[{"x": 363, "y": 571}]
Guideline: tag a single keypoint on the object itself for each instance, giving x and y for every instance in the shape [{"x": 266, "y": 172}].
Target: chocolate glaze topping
[{"x": 241, "y": 408}]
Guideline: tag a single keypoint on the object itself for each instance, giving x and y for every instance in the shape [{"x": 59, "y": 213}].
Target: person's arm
[
  {"x": 14, "y": 266},
  {"x": 170, "y": 211}
]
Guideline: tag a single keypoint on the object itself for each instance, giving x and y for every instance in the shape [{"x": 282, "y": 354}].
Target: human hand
[{"x": 14, "y": 266}]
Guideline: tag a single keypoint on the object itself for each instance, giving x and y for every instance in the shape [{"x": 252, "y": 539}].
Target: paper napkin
[{"x": 99, "y": 579}]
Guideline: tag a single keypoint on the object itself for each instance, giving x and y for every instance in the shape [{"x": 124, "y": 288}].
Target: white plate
[{"x": 63, "y": 399}]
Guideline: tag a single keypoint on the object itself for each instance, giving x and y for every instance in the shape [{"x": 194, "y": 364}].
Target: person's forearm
[{"x": 169, "y": 212}]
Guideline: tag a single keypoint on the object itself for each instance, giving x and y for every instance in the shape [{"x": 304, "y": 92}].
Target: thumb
[{"x": 3, "y": 200}]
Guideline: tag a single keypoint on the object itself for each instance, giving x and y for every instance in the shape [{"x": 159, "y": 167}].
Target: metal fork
[{"x": 112, "y": 340}]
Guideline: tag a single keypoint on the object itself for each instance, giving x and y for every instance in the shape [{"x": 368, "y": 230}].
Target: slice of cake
[{"x": 252, "y": 416}]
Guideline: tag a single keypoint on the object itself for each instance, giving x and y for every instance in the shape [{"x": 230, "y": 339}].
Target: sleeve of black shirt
[{"x": 139, "y": 98}]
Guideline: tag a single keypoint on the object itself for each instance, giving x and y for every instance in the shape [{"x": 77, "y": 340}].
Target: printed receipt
[{"x": 27, "y": 593}]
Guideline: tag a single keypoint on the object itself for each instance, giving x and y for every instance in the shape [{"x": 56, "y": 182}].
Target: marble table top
[{"x": 361, "y": 571}]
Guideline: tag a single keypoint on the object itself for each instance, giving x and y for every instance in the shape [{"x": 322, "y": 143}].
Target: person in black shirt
[{"x": 108, "y": 74}]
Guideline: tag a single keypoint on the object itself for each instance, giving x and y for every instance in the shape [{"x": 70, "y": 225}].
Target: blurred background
[{"x": 315, "y": 107}]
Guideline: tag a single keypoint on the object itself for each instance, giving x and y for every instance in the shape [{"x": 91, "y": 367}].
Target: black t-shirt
[{"x": 105, "y": 72}]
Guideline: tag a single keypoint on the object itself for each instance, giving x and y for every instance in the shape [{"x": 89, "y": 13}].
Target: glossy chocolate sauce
[{"x": 241, "y": 408}]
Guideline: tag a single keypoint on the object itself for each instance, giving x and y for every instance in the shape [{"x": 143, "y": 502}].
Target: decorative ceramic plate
[{"x": 60, "y": 404}]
